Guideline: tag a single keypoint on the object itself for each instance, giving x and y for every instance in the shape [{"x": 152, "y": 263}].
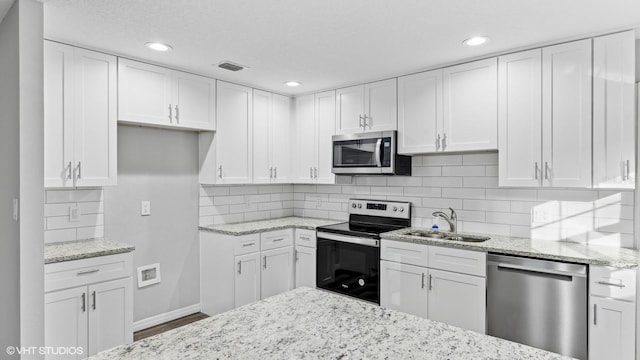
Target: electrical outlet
[
  {"x": 15, "y": 209},
  {"x": 318, "y": 202},
  {"x": 74, "y": 213},
  {"x": 145, "y": 208},
  {"x": 247, "y": 201}
]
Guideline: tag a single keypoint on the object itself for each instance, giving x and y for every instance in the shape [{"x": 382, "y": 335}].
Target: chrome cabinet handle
[
  {"x": 275, "y": 172},
  {"x": 84, "y": 272},
  {"x": 84, "y": 302},
  {"x": 177, "y": 115},
  {"x": 296, "y": 254},
  {"x": 536, "y": 171},
  {"x": 315, "y": 171},
  {"x": 170, "y": 114},
  {"x": 69, "y": 176},
  {"x": 444, "y": 141},
  {"x": 360, "y": 122},
  {"x": 239, "y": 267},
  {"x": 438, "y": 142},
  {"x": 264, "y": 258},
  {"x": 79, "y": 170},
  {"x": 311, "y": 172},
  {"x": 628, "y": 169},
  {"x": 248, "y": 244},
  {"x": 430, "y": 282},
  {"x": 595, "y": 309},
  {"x": 625, "y": 170},
  {"x": 278, "y": 239},
  {"x": 271, "y": 172},
  {"x": 94, "y": 300},
  {"x": 611, "y": 284},
  {"x": 366, "y": 123},
  {"x": 220, "y": 171},
  {"x": 423, "y": 280},
  {"x": 546, "y": 170},
  {"x": 305, "y": 237}
]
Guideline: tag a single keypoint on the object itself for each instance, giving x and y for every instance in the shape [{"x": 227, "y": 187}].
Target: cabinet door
[
  {"x": 403, "y": 288},
  {"x": 325, "y": 129},
  {"x": 234, "y": 134},
  {"x": 262, "y": 166},
  {"x": 277, "y": 271},
  {"x": 247, "y": 279},
  {"x": 457, "y": 299},
  {"x": 280, "y": 138},
  {"x": 520, "y": 119},
  {"x": 419, "y": 112},
  {"x": 305, "y": 140},
  {"x": 58, "y": 119},
  {"x": 566, "y": 114},
  {"x": 144, "y": 93},
  {"x": 95, "y": 145},
  {"x": 110, "y": 307},
  {"x": 612, "y": 329},
  {"x": 613, "y": 111},
  {"x": 305, "y": 266},
  {"x": 194, "y": 101},
  {"x": 381, "y": 105},
  {"x": 65, "y": 320},
  {"x": 350, "y": 110},
  {"x": 470, "y": 106}
]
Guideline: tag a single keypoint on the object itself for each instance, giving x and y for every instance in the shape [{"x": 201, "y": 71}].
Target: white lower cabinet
[
  {"x": 439, "y": 284},
  {"x": 96, "y": 313},
  {"x": 277, "y": 271},
  {"x": 247, "y": 279},
  {"x": 612, "y": 313},
  {"x": 305, "y": 258}
]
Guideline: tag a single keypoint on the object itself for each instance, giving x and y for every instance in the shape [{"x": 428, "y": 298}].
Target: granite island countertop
[
  {"x": 252, "y": 227},
  {"x": 541, "y": 249},
  {"x": 311, "y": 324},
  {"x": 82, "y": 249}
]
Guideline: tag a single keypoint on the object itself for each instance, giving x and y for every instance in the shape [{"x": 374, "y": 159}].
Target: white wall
[{"x": 160, "y": 166}]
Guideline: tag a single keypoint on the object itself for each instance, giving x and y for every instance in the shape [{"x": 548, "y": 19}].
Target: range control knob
[
  {"x": 353, "y": 205},
  {"x": 359, "y": 206},
  {"x": 401, "y": 209},
  {"x": 395, "y": 208}
]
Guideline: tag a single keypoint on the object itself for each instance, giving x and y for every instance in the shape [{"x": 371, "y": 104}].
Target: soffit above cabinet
[{"x": 324, "y": 44}]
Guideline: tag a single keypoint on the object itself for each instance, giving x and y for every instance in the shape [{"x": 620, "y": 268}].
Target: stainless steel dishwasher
[{"x": 538, "y": 303}]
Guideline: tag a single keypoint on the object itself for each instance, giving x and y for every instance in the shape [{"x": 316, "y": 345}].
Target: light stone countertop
[
  {"x": 252, "y": 227},
  {"x": 313, "y": 324},
  {"x": 82, "y": 249},
  {"x": 541, "y": 249}
]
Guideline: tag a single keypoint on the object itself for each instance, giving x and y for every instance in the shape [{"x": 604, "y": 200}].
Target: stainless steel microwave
[{"x": 371, "y": 153}]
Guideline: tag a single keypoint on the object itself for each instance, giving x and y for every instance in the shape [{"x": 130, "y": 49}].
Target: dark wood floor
[{"x": 138, "y": 335}]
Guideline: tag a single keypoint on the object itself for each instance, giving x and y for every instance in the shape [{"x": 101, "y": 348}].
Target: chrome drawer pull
[
  {"x": 248, "y": 244},
  {"x": 84, "y": 272},
  {"x": 278, "y": 239},
  {"x": 611, "y": 284}
]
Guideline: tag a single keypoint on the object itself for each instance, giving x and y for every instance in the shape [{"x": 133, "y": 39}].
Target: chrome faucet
[{"x": 452, "y": 220}]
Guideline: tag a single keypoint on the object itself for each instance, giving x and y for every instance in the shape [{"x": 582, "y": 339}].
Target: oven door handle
[
  {"x": 349, "y": 239},
  {"x": 378, "y": 152}
]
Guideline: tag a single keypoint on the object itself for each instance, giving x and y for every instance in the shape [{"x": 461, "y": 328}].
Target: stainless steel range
[{"x": 348, "y": 256}]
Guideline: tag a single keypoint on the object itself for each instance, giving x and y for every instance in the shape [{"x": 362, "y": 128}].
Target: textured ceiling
[{"x": 325, "y": 43}]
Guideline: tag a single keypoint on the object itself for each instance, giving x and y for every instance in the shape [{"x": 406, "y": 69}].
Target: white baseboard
[{"x": 168, "y": 316}]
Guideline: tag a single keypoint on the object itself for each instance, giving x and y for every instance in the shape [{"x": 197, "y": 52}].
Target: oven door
[
  {"x": 366, "y": 153},
  {"x": 349, "y": 265}
]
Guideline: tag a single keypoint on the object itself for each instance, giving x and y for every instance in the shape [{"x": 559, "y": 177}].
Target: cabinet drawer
[
  {"x": 613, "y": 282},
  {"x": 404, "y": 252},
  {"x": 246, "y": 244},
  {"x": 306, "y": 238},
  {"x": 276, "y": 239},
  {"x": 74, "y": 273},
  {"x": 457, "y": 260}
]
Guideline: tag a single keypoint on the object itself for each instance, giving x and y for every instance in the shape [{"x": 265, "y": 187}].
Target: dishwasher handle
[{"x": 537, "y": 270}]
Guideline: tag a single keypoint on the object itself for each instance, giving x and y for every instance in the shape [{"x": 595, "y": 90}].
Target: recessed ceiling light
[
  {"x": 476, "y": 40},
  {"x": 292, "y": 83},
  {"x": 158, "y": 46}
]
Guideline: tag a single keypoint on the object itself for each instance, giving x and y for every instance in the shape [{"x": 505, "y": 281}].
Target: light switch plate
[
  {"x": 15, "y": 209},
  {"x": 145, "y": 208},
  {"x": 74, "y": 213}
]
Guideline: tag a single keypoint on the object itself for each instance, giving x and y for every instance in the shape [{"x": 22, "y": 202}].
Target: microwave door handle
[{"x": 378, "y": 153}]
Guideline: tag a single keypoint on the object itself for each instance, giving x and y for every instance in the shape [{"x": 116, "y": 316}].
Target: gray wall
[
  {"x": 21, "y": 161},
  {"x": 9, "y": 181},
  {"x": 160, "y": 166}
]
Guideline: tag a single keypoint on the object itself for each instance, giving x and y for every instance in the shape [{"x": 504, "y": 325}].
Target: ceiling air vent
[{"x": 227, "y": 65}]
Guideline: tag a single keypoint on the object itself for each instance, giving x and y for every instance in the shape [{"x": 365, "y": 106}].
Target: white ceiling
[
  {"x": 5, "y": 5},
  {"x": 325, "y": 43}
]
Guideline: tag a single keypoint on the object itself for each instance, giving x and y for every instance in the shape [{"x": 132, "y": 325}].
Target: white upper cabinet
[
  {"x": 470, "y": 106},
  {"x": 313, "y": 129},
  {"x": 234, "y": 136},
  {"x": 80, "y": 126},
  {"x": 520, "y": 119},
  {"x": 369, "y": 107},
  {"x": 566, "y": 114},
  {"x": 420, "y": 112},
  {"x": 272, "y": 136},
  {"x": 613, "y": 111},
  {"x": 157, "y": 96}
]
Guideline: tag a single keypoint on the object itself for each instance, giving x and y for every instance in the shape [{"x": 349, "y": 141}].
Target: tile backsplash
[{"x": 58, "y": 224}]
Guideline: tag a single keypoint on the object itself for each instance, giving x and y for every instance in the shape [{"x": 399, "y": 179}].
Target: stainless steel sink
[{"x": 447, "y": 236}]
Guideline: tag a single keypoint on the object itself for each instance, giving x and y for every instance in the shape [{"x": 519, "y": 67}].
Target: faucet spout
[{"x": 452, "y": 219}]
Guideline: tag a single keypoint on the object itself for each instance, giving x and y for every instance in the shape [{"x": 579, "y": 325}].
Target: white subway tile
[
  {"x": 227, "y": 219},
  {"x": 416, "y": 160},
  {"x": 480, "y": 159},
  {"x": 298, "y": 211},
  {"x": 424, "y": 212},
  {"x": 243, "y": 190},
  {"x": 486, "y": 205},
  {"x": 206, "y": 200},
  {"x": 270, "y": 189},
  {"x": 404, "y": 181},
  {"x": 440, "y": 203},
  {"x": 287, "y": 204},
  {"x": 615, "y": 226},
  {"x": 485, "y": 228},
  {"x": 257, "y": 198},
  {"x": 258, "y": 215},
  {"x": 463, "y": 193},
  {"x": 321, "y": 214},
  {"x": 610, "y": 197},
  {"x": 463, "y": 171},
  {"x": 624, "y": 212},
  {"x": 427, "y": 171},
  {"x": 330, "y": 206},
  {"x": 343, "y": 198},
  {"x": 371, "y": 180},
  {"x": 92, "y": 232},
  {"x": 423, "y": 191},
  {"x": 66, "y": 196},
  {"x": 480, "y": 182},
  {"x": 329, "y": 189},
  {"x": 205, "y": 220},
  {"x": 508, "y": 218},
  {"x": 228, "y": 200},
  {"x": 281, "y": 196},
  {"x": 304, "y": 188},
  {"x": 523, "y": 206},
  {"x": 567, "y": 194},
  {"x": 431, "y": 160},
  {"x": 466, "y": 215},
  {"x": 299, "y": 196},
  {"x": 344, "y": 180},
  {"x": 442, "y": 181},
  {"x": 316, "y": 197},
  {"x": 491, "y": 170},
  {"x": 512, "y": 194},
  {"x": 60, "y": 209},
  {"x": 287, "y": 187},
  {"x": 93, "y": 207},
  {"x": 520, "y": 231},
  {"x": 242, "y": 208},
  {"x": 214, "y": 190},
  {"x": 62, "y": 222},
  {"x": 274, "y": 214},
  {"x": 273, "y": 205},
  {"x": 386, "y": 190},
  {"x": 53, "y": 236},
  {"x": 356, "y": 190},
  {"x": 415, "y": 201},
  {"x": 214, "y": 210}
]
